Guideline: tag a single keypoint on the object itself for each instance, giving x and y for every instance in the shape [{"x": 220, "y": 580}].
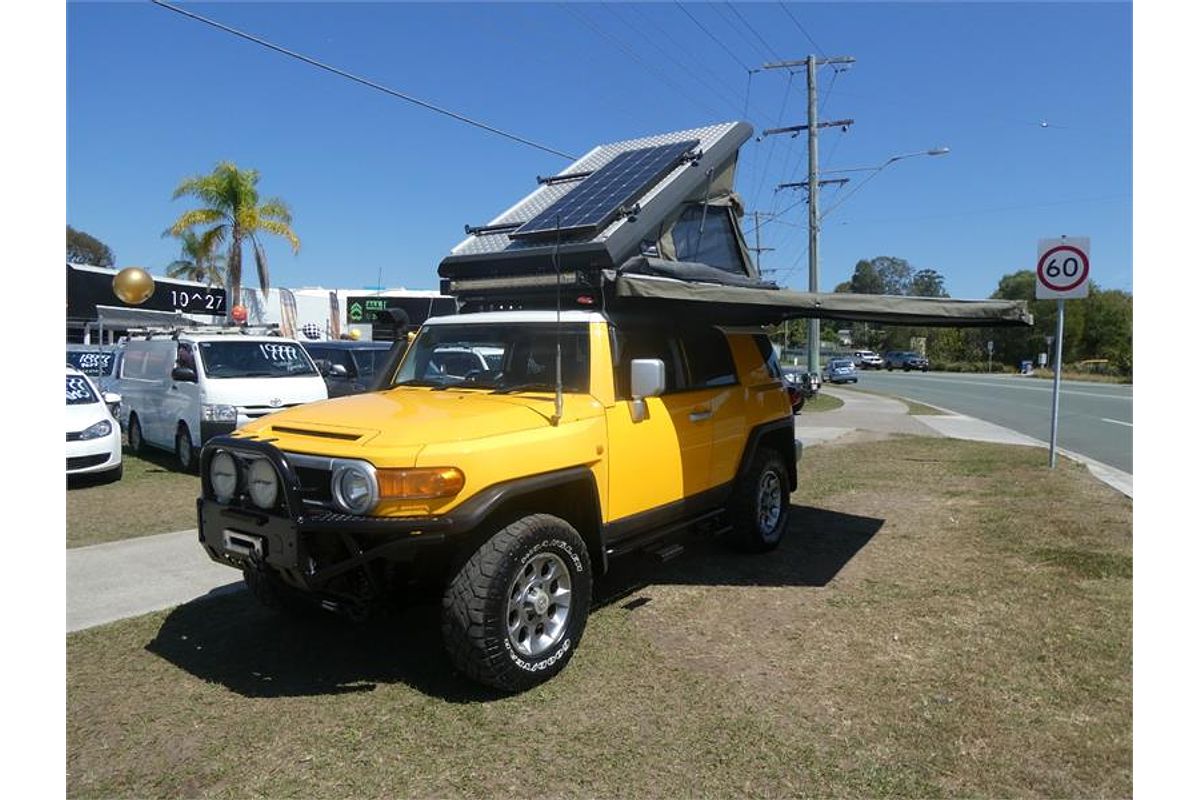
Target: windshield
[
  {"x": 370, "y": 360},
  {"x": 841, "y": 362},
  {"x": 502, "y": 358},
  {"x": 255, "y": 359},
  {"x": 92, "y": 362},
  {"x": 79, "y": 391}
]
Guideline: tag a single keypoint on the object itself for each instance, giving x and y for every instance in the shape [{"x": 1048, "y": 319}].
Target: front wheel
[
  {"x": 516, "y": 610},
  {"x": 185, "y": 454},
  {"x": 136, "y": 443},
  {"x": 759, "y": 509}
]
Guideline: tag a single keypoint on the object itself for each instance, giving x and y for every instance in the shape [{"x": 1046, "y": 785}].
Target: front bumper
[
  {"x": 307, "y": 543},
  {"x": 94, "y": 455}
]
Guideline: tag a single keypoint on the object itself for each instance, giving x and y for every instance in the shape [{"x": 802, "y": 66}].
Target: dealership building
[{"x": 96, "y": 315}]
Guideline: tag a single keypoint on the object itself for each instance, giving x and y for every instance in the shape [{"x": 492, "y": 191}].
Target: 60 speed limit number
[{"x": 1062, "y": 268}]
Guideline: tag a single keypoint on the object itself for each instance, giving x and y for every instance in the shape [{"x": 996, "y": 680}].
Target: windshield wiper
[{"x": 524, "y": 387}]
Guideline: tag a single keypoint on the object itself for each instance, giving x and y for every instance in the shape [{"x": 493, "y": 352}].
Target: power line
[
  {"x": 802, "y": 30},
  {"x": 364, "y": 81},
  {"x": 738, "y": 14},
  {"x": 712, "y": 36},
  {"x": 682, "y": 90}
]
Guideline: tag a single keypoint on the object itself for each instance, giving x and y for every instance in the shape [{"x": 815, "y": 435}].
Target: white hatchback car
[{"x": 93, "y": 434}]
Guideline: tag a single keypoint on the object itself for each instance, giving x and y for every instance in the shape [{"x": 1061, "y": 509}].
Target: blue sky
[{"x": 381, "y": 188}]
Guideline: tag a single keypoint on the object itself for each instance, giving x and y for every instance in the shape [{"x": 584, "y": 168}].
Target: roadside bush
[{"x": 970, "y": 366}]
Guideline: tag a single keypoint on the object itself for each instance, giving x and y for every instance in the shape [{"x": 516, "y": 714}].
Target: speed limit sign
[{"x": 1062, "y": 267}]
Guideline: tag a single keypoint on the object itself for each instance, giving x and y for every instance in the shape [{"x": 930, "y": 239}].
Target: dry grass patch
[
  {"x": 923, "y": 631},
  {"x": 152, "y": 497}
]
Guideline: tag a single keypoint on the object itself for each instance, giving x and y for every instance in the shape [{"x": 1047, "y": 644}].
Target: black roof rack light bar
[
  {"x": 564, "y": 178},
  {"x": 484, "y": 230}
]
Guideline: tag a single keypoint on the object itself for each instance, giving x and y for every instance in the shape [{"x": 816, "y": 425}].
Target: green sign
[{"x": 366, "y": 309}]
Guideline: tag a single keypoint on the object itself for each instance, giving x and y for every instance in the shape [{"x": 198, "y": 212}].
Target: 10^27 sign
[{"x": 1063, "y": 267}]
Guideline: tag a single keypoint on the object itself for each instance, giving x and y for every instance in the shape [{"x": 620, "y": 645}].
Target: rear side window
[
  {"x": 708, "y": 360},
  {"x": 767, "y": 351}
]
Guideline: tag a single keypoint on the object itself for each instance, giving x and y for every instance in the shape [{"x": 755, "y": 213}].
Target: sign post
[
  {"x": 991, "y": 346},
  {"x": 1062, "y": 273}
]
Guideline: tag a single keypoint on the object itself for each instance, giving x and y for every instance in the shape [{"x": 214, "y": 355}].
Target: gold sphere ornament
[
  {"x": 133, "y": 285},
  {"x": 238, "y": 313},
  {"x": 355, "y": 334}
]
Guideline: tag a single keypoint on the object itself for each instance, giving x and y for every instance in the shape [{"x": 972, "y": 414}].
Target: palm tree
[
  {"x": 235, "y": 214},
  {"x": 196, "y": 261}
]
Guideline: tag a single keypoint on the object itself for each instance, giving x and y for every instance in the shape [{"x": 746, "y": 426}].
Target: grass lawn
[
  {"x": 821, "y": 402},
  {"x": 152, "y": 497},
  {"x": 925, "y": 630},
  {"x": 1092, "y": 377}
]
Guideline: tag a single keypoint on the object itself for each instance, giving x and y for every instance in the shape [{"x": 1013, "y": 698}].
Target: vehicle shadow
[{"x": 229, "y": 639}]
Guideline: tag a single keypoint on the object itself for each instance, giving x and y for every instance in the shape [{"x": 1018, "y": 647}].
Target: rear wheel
[
  {"x": 759, "y": 509},
  {"x": 516, "y": 610}
]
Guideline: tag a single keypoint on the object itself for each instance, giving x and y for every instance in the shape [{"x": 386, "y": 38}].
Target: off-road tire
[
  {"x": 185, "y": 452},
  {"x": 137, "y": 443},
  {"x": 477, "y": 606},
  {"x": 752, "y": 528},
  {"x": 274, "y": 594}
]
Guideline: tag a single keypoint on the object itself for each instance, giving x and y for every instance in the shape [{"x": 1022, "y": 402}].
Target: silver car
[{"x": 841, "y": 370}]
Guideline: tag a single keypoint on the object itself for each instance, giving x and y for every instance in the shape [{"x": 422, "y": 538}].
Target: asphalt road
[{"x": 1094, "y": 419}]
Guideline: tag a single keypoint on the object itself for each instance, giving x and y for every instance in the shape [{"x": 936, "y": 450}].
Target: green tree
[
  {"x": 234, "y": 216},
  {"x": 928, "y": 283},
  {"x": 895, "y": 274},
  {"x": 866, "y": 279},
  {"x": 83, "y": 248},
  {"x": 197, "y": 261}
]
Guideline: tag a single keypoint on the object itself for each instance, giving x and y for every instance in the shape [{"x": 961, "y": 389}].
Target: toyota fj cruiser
[{"x": 589, "y": 436}]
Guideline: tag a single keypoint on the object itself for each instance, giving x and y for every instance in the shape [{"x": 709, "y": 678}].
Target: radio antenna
[{"x": 558, "y": 383}]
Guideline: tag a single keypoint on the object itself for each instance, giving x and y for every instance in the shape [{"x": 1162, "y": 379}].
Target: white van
[{"x": 180, "y": 390}]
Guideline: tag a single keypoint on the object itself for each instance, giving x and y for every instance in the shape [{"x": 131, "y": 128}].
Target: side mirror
[
  {"x": 184, "y": 374},
  {"x": 322, "y": 365},
  {"x": 338, "y": 370},
  {"x": 112, "y": 399},
  {"x": 647, "y": 378}
]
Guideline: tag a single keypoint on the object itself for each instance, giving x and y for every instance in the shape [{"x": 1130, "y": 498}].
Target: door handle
[{"x": 700, "y": 416}]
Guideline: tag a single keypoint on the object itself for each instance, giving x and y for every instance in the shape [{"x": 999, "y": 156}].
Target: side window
[
  {"x": 658, "y": 343},
  {"x": 133, "y": 364},
  {"x": 718, "y": 247},
  {"x": 184, "y": 357},
  {"x": 708, "y": 360},
  {"x": 767, "y": 351}
]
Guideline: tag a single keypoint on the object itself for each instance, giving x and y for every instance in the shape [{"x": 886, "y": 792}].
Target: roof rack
[{"x": 267, "y": 329}]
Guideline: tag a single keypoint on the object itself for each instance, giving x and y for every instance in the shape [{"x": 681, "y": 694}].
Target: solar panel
[{"x": 598, "y": 199}]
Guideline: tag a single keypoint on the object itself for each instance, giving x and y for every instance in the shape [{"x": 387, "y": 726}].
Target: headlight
[
  {"x": 263, "y": 483},
  {"x": 101, "y": 428},
  {"x": 223, "y": 475},
  {"x": 354, "y": 487},
  {"x": 215, "y": 413}
]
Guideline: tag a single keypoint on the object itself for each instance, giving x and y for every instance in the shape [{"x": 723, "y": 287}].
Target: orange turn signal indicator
[{"x": 419, "y": 484}]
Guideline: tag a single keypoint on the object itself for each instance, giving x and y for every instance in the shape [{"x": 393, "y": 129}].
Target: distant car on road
[
  {"x": 347, "y": 367},
  {"x": 905, "y": 360},
  {"x": 840, "y": 370},
  {"x": 867, "y": 359}
]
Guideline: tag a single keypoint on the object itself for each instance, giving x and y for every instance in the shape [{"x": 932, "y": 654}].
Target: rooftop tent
[{"x": 652, "y": 224}]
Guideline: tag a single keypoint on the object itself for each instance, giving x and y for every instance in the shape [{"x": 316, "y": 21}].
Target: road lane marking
[
  {"x": 993, "y": 383},
  {"x": 1118, "y": 422}
]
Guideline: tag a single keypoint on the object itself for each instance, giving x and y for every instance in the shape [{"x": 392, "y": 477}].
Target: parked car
[
  {"x": 347, "y": 367},
  {"x": 905, "y": 360},
  {"x": 93, "y": 435},
  {"x": 867, "y": 359},
  {"x": 840, "y": 370},
  {"x": 181, "y": 389},
  {"x": 98, "y": 362}
]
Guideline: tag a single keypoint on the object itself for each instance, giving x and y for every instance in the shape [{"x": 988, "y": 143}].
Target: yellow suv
[{"x": 512, "y": 495}]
